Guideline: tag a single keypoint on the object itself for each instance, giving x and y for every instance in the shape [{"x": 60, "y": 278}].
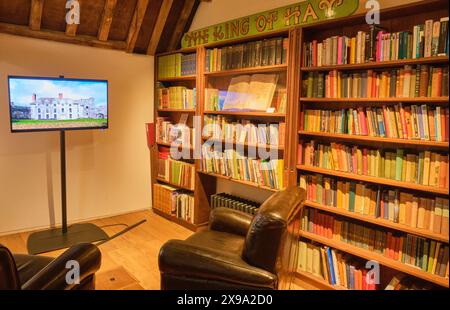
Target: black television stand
[{"x": 66, "y": 236}]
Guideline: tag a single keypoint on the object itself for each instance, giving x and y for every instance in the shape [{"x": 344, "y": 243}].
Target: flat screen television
[{"x": 45, "y": 103}]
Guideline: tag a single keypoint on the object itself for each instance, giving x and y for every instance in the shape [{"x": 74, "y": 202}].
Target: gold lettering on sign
[
  {"x": 234, "y": 29},
  {"x": 263, "y": 23},
  {"x": 260, "y": 23},
  {"x": 309, "y": 13},
  {"x": 218, "y": 33},
  {"x": 273, "y": 16},
  {"x": 327, "y": 6},
  {"x": 245, "y": 27},
  {"x": 289, "y": 14}
]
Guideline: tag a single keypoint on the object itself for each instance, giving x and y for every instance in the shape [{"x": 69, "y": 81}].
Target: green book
[
  {"x": 387, "y": 165},
  {"x": 392, "y": 166},
  {"x": 398, "y": 165},
  {"x": 425, "y": 255},
  {"x": 431, "y": 255},
  {"x": 351, "y": 199},
  {"x": 309, "y": 92},
  {"x": 420, "y": 168}
]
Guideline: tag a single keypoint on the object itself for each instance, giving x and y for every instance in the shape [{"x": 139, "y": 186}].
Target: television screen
[{"x": 37, "y": 103}]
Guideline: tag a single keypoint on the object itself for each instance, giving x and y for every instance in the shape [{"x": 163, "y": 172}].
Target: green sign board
[{"x": 306, "y": 12}]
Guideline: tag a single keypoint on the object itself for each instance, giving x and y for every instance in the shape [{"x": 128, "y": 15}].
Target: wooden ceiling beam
[
  {"x": 60, "y": 37},
  {"x": 71, "y": 29},
  {"x": 105, "y": 25},
  {"x": 136, "y": 23},
  {"x": 179, "y": 29},
  {"x": 36, "y": 14},
  {"x": 159, "y": 26}
]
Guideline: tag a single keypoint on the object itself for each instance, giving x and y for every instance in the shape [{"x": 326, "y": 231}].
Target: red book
[
  {"x": 443, "y": 124},
  {"x": 388, "y": 251},
  {"x": 364, "y": 280},
  {"x": 314, "y": 53},
  {"x": 403, "y": 121},
  {"x": 362, "y": 121},
  {"x": 330, "y": 227},
  {"x": 396, "y": 247}
]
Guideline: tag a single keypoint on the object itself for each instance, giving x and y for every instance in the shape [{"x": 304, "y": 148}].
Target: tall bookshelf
[{"x": 392, "y": 20}]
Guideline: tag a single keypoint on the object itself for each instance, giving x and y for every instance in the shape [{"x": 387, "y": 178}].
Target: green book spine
[
  {"x": 352, "y": 190},
  {"x": 420, "y": 168},
  {"x": 309, "y": 93}
]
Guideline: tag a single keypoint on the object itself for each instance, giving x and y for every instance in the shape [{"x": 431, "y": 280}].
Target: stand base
[{"x": 55, "y": 239}]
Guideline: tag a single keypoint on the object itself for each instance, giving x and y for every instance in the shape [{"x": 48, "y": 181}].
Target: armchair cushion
[
  {"x": 214, "y": 256},
  {"x": 9, "y": 279},
  {"x": 230, "y": 220}
]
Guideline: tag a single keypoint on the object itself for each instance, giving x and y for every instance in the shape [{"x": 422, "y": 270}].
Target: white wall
[{"x": 108, "y": 172}]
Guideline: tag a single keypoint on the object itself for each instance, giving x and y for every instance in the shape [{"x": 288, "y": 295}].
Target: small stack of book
[
  {"x": 244, "y": 131},
  {"x": 334, "y": 267},
  {"x": 229, "y": 201},
  {"x": 173, "y": 201},
  {"x": 176, "y": 97},
  {"x": 429, "y": 255},
  {"x": 397, "y": 206},
  {"x": 175, "y": 172},
  {"x": 267, "y": 52},
  {"x": 237, "y": 166},
  {"x": 176, "y": 65},
  {"x": 404, "y": 122},
  {"x": 426, "y": 168},
  {"x": 408, "y": 82},
  {"x": 425, "y": 40}
]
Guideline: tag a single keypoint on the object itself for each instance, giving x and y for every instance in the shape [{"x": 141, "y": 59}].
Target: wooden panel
[
  {"x": 91, "y": 16},
  {"x": 36, "y": 14},
  {"x": 159, "y": 26},
  {"x": 136, "y": 23},
  {"x": 147, "y": 26},
  {"x": 172, "y": 20},
  {"x": 105, "y": 24},
  {"x": 15, "y": 12},
  {"x": 121, "y": 19},
  {"x": 189, "y": 7},
  {"x": 54, "y": 15}
]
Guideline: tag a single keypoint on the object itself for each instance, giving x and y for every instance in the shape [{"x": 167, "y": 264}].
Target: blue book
[
  {"x": 352, "y": 277},
  {"x": 222, "y": 95},
  {"x": 330, "y": 263}
]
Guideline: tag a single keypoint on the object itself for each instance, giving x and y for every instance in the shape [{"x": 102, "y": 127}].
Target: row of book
[
  {"x": 413, "y": 122},
  {"x": 215, "y": 99},
  {"x": 176, "y": 97},
  {"x": 266, "y": 52},
  {"x": 426, "y": 168},
  {"x": 334, "y": 267},
  {"x": 176, "y": 65},
  {"x": 237, "y": 166},
  {"x": 396, "y": 206},
  {"x": 233, "y": 202},
  {"x": 428, "y": 255},
  {"x": 244, "y": 131},
  {"x": 173, "y": 202},
  {"x": 175, "y": 172},
  {"x": 424, "y": 40},
  {"x": 408, "y": 82},
  {"x": 167, "y": 132}
]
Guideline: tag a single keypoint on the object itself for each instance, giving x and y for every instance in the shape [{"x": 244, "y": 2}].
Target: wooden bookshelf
[
  {"x": 178, "y": 78},
  {"x": 376, "y": 180},
  {"x": 248, "y": 183},
  {"x": 179, "y": 221},
  {"x": 261, "y": 69},
  {"x": 392, "y": 20},
  {"x": 381, "y": 259},
  {"x": 246, "y": 144},
  {"x": 246, "y": 114},
  {"x": 429, "y": 100},
  {"x": 380, "y": 64},
  {"x": 176, "y": 110},
  {"x": 346, "y": 137},
  {"x": 173, "y": 184},
  {"x": 379, "y": 221}
]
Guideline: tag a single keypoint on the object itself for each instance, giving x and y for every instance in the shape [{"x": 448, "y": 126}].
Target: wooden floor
[{"x": 129, "y": 261}]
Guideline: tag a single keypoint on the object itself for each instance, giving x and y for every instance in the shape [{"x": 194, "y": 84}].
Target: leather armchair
[
  {"x": 33, "y": 272},
  {"x": 237, "y": 251}
]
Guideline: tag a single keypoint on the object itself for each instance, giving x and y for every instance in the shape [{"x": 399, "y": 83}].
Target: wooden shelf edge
[
  {"x": 380, "y": 64},
  {"x": 321, "y": 283},
  {"x": 380, "y": 100},
  {"x": 245, "y": 113},
  {"x": 177, "y": 220},
  {"x": 388, "y": 262},
  {"x": 376, "y": 139},
  {"x": 266, "y": 146},
  {"x": 169, "y": 145},
  {"x": 376, "y": 180},
  {"x": 178, "y": 78},
  {"x": 248, "y": 183},
  {"x": 273, "y": 68},
  {"x": 173, "y": 184},
  {"x": 177, "y": 110},
  {"x": 378, "y": 221}
]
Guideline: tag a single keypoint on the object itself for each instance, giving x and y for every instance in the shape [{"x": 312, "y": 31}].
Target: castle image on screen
[{"x": 85, "y": 106}]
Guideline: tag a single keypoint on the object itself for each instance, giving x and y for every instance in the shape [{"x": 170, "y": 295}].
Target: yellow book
[
  {"x": 324, "y": 264},
  {"x": 359, "y": 159},
  {"x": 437, "y": 167},
  {"x": 366, "y": 209},
  {"x": 414, "y": 211},
  {"x": 316, "y": 261},
  {"x": 353, "y": 50},
  {"x": 431, "y": 256},
  {"x": 373, "y": 163},
  {"x": 414, "y": 170},
  {"x": 392, "y": 162},
  {"x": 404, "y": 168},
  {"x": 377, "y": 163},
  {"x": 435, "y": 258},
  {"x": 432, "y": 173},
  {"x": 302, "y": 256},
  {"x": 421, "y": 213},
  {"x": 373, "y": 203},
  {"x": 402, "y": 211},
  {"x": 309, "y": 258},
  {"x": 409, "y": 161},
  {"x": 428, "y": 213},
  {"x": 339, "y": 195},
  {"x": 359, "y": 200},
  {"x": 346, "y": 195}
]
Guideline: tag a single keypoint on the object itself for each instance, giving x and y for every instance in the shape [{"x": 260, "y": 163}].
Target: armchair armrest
[
  {"x": 53, "y": 276},
  {"x": 178, "y": 257},
  {"x": 9, "y": 280},
  {"x": 230, "y": 221}
]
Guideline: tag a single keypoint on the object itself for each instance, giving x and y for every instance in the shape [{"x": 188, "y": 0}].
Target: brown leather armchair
[
  {"x": 238, "y": 251},
  {"x": 33, "y": 272}
]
